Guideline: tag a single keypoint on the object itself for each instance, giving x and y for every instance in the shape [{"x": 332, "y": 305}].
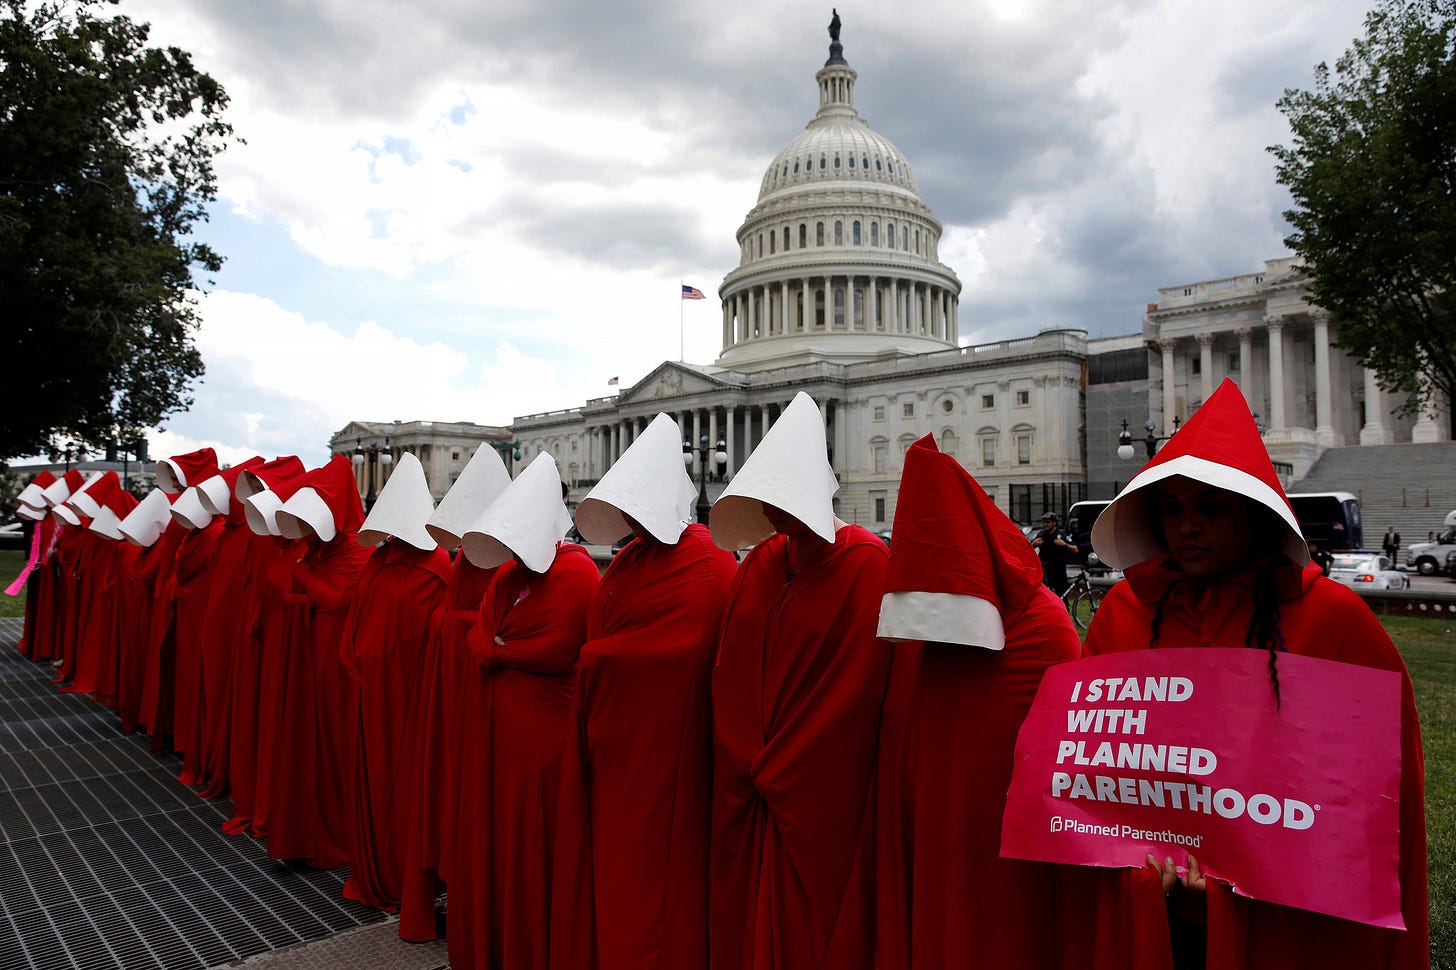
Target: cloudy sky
[{"x": 456, "y": 210}]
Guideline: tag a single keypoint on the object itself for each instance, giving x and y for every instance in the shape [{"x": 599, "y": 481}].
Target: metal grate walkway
[{"x": 106, "y": 860}]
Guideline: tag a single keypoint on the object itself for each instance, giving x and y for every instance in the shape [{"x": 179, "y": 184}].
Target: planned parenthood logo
[{"x": 1074, "y": 826}]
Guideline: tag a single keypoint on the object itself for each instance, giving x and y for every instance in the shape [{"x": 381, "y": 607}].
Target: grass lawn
[
  {"x": 11, "y": 562},
  {"x": 1429, "y": 648}
]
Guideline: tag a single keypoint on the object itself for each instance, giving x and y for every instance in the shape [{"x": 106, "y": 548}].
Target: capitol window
[
  {"x": 819, "y": 234},
  {"x": 879, "y": 412},
  {"x": 836, "y": 161},
  {"x": 838, "y": 233},
  {"x": 866, "y": 161},
  {"x": 1023, "y": 399},
  {"x": 947, "y": 405},
  {"x": 854, "y": 232},
  {"x": 908, "y": 409},
  {"x": 890, "y": 234},
  {"x": 803, "y": 236},
  {"x": 839, "y": 308},
  {"x": 879, "y": 450},
  {"x": 1023, "y": 449},
  {"x": 988, "y": 401},
  {"x": 949, "y": 441},
  {"x": 874, "y": 234},
  {"x": 851, "y": 161},
  {"x": 772, "y": 243},
  {"x": 796, "y": 168},
  {"x": 877, "y": 165},
  {"x": 786, "y": 238},
  {"x": 988, "y": 452},
  {"x": 822, "y": 162}
]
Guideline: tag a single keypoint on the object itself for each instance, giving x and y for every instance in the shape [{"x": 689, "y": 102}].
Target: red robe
[
  {"x": 391, "y": 620},
  {"x": 1317, "y": 618},
  {"x": 269, "y": 639},
  {"x": 195, "y": 578},
  {"x": 515, "y": 719},
  {"x": 134, "y": 630},
  {"x": 159, "y": 664},
  {"x": 122, "y": 558},
  {"x": 307, "y": 811},
  {"x": 631, "y": 876},
  {"x": 796, "y": 711},
  {"x": 946, "y": 898},
  {"x": 230, "y": 613},
  {"x": 97, "y": 623},
  {"x": 40, "y": 586},
  {"x": 76, "y": 552},
  {"x": 430, "y": 776}
]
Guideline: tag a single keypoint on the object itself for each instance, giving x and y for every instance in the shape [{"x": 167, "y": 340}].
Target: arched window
[
  {"x": 851, "y": 161},
  {"x": 859, "y": 308},
  {"x": 839, "y": 308},
  {"x": 803, "y": 236},
  {"x": 949, "y": 441},
  {"x": 854, "y": 232},
  {"x": 890, "y": 234},
  {"x": 760, "y": 245},
  {"x": 836, "y": 160},
  {"x": 786, "y": 238},
  {"x": 818, "y": 309},
  {"x": 773, "y": 243},
  {"x": 838, "y": 233},
  {"x": 796, "y": 168},
  {"x": 818, "y": 233},
  {"x": 880, "y": 454},
  {"x": 917, "y": 242},
  {"x": 874, "y": 234}
]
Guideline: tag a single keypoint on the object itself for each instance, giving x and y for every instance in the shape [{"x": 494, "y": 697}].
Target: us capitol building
[{"x": 840, "y": 292}]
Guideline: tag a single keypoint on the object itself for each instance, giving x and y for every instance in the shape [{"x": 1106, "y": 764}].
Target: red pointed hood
[
  {"x": 326, "y": 503},
  {"x": 60, "y": 489},
  {"x": 957, "y": 563},
  {"x": 183, "y": 471},
  {"x": 217, "y": 492},
  {"x": 33, "y": 494},
  {"x": 118, "y": 505},
  {"x": 264, "y": 476},
  {"x": 1219, "y": 446},
  {"x": 89, "y": 500}
]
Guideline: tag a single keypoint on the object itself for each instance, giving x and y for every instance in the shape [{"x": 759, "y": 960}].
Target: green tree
[
  {"x": 106, "y": 165},
  {"x": 1372, "y": 171}
]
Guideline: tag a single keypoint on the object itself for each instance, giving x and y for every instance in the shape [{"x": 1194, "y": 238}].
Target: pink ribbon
[{"x": 14, "y": 588}]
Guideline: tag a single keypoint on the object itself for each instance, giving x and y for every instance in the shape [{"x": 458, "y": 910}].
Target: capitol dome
[{"x": 838, "y": 260}]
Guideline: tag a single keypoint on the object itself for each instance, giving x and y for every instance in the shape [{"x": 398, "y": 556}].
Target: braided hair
[{"x": 1263, "y": 632}]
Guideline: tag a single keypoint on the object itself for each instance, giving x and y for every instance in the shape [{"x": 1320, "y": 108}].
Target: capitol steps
[{"x": 1409, "y": 486}]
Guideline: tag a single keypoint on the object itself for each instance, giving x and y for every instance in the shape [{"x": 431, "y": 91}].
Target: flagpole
[{"x": 681, "y": 341}]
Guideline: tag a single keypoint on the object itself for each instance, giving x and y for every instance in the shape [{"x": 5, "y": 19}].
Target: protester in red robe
[
  {"x": 258, "y": 697},
  {"x": 308, "y": 815},
  {"x": 195, "y": 577},
  {"x": 1214, "y": 558},
  {"x": 53, "y": 585},
  {"x": 226, "y": 620},
  {"x": 79, "y": 555},
  {"x": 114, "y": 562},
  {"x": 39, "y": 534},
  {"x": 428, "y": 773},
  {"x": 391, "y": 620},
  {"x": 965, "y": 593},
  {"x": 796, "y": 711},
  {"x": 514, "y": 722},
  {"x": 631, "y": 870},
  {"x": 143, "y": 528}
]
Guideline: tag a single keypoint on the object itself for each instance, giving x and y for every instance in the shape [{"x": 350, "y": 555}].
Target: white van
[{"x": 1429, "y": 558}]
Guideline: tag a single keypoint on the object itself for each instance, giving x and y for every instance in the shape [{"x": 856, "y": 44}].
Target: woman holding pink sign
[{"x": 1214, "y": 558}]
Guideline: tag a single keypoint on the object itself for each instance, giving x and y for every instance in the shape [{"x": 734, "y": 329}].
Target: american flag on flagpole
[
  {"x": 613, "y": 382},
  {"x": 692, "y": 293}
]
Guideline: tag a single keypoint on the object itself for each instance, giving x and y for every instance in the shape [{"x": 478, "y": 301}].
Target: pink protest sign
[{"x": 1184, "y": 750}]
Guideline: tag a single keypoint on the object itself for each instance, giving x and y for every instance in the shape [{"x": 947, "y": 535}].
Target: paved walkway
[{"x": 106, "y": 860}]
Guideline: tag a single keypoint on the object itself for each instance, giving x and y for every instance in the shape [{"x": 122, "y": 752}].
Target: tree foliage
[
  {"x": 106, "y": 165},
  {"x": 1372, "y": 169}
]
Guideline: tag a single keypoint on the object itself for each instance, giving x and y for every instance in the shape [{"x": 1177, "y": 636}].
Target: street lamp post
[
  {"x": 1150, "y": 440},
  {"x": 510, "y": 452},
  {"x": 378, "y": 457},
  {"x": 719, "y": 455}
]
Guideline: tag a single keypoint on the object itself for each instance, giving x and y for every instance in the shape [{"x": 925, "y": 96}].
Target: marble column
[
  {"x": 713, "y": 425},
  {"x": 1170, "y": 380},
  {"x": 806, "y": 305},
  {"x": 892, "y": 319},
  {"x": 1276, "y": 373},
  {"x": 730, "y": 414},
  {"x": 1205, "y": 365},
  {"x": 1246, "y": 365},
  {"x": 1374, "y": 431},
  {"x": 1428, "y": 426},
  {"x": 872, "y": 311},
  {"x": 698, "y": 428},
  {"x": 1324, "y": 429}
]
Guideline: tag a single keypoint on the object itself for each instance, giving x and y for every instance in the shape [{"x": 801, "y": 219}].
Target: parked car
[{"x": 1367, "y": 570}]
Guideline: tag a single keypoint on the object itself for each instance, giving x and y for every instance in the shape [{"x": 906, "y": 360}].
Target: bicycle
[{"x": 1082, "y": 598}]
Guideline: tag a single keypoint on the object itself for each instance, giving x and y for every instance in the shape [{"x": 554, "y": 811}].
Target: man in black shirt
[{"x": 1052, "y": 545}]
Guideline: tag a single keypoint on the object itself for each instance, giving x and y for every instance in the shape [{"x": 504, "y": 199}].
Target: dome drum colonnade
[{"x": 839, "y": 242}]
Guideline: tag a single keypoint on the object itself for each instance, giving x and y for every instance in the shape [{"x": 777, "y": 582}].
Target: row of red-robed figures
[{"x": 685, "y": 762}]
